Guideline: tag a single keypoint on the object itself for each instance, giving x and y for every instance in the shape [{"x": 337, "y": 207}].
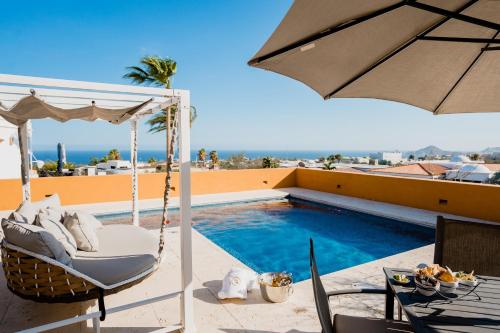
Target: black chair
[
  {"x": 343, "y": 323},
  {"x": 467, "y": 246}
]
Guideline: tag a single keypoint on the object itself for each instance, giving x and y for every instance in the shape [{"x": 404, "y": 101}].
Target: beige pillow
[
  {"x": 29, "y": 210},
  {"x": 15, "y": 216},
  {"x": 82, "y": 229},
  {"x": 35, "y": 239},
  {"x": 50, "y": 220},
  {"x": 95, "y": 223}
]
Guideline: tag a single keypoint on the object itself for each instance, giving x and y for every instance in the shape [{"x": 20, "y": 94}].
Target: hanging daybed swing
[{"x": 128, "y": 254}]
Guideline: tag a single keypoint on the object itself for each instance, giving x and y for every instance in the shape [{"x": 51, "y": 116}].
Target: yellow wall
[
  {"x": 465, "y": 199},
  {"x": 84, "y": 189},
  {"x": 473, "y": 200}
]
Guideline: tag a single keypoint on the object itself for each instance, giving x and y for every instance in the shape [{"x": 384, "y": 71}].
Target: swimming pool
[{"x": 274, "y": 235}]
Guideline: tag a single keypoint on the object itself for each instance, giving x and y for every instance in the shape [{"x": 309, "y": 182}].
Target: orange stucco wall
[
  {"x": 465, "y": 199},
  {"x": 83, "y": 189},
  {"x": 472, "y": 200}
]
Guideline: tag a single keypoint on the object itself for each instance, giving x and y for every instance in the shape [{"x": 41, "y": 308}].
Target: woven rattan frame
[{"x": 34, "y": 279}]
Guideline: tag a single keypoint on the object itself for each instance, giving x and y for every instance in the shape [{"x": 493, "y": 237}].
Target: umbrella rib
[
  {"x": 396, "y": 51},
  {"x": 454, "y": 15},
  {"x": 327, "y": 32},
  {"x": 436, "y": 109}
]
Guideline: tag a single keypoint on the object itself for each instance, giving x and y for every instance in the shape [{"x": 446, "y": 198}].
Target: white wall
[{"x": 10, "y": 158}]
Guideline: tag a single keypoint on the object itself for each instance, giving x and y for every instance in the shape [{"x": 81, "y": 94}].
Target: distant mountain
[
  {"x": 429, "y": 151},
  {"x": 491, "y": 150}
]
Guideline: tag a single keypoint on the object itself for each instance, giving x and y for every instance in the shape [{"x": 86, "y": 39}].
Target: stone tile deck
[{"x": 210, "y": 263}]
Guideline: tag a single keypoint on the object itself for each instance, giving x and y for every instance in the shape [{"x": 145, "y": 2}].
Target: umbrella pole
[
  {"x": 22, "y": 133},
  {"x": 135, "y": 180}
]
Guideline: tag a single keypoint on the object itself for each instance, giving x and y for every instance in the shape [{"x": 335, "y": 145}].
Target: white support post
[
  {"x": 187, "y": 315},
  {"x": 22, "y": 133},
  {"x": 135, "y": 180}
]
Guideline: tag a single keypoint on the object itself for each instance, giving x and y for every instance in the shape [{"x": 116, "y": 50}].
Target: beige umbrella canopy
[
  {"x": 442, "y": 56},
  {"x": 32, "y": 107}
]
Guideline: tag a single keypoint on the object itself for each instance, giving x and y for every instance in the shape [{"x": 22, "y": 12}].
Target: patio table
[{"x": 466, "y": 311}]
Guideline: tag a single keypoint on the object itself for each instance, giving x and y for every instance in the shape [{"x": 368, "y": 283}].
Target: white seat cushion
[{"x": 125, "y": 251}]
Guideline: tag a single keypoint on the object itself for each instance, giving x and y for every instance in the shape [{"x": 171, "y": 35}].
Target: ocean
[{"x": 84, "y": 156}]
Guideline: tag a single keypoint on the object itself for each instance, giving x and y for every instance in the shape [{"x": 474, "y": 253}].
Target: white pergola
[{"x": 69, "y": 94}]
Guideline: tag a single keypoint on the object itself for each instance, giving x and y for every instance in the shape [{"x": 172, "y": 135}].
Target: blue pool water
[{"x": 274, "y": 235}]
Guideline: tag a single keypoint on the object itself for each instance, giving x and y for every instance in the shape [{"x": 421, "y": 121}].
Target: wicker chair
[
  {"x": 468, "y": 246},
  {"x": 42, "y": 279}
]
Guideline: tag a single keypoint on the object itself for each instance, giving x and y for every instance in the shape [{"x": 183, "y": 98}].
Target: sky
[{"x": 239, "y": 107}]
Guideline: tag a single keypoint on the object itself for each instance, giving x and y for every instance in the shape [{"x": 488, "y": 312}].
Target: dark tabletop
[{"x": 466, "y": 311}]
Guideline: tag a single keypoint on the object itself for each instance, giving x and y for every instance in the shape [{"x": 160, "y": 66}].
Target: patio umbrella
[{"x": 442, "y": 56}]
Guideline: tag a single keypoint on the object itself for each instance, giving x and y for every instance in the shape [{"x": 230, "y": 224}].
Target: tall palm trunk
[{"x": 171, "y": 131}]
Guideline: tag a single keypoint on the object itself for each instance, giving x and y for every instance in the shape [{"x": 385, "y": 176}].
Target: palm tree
[
  {"x": 152, "y": 161},
  {"x": 214, "y": 157},
  {"x": 94, "y": 161},
  {"x": 155, "y": 70},
  {"x": 114, "y": 154},
  {"x": 157, "y": 122},
  {"x": 202, "y": 156},
  {"x": 159, "y": 71},
  {"x": 269, "y": 162}
]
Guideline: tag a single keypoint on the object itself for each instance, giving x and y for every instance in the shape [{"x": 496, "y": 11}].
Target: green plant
[
  {"x": 202, "y": 156},
  {"x": 114, "y": 154},
  {"x": 94, "y": 161},
  {"x": 152, "y": 161},
  {"x": 334, "y": 158},
  {"x": 70, "y": 166},
  {"x": 50, "y": 166},
  {"x": 328, "y": 165},
  {"x": 214, "y": 157},
  {"x": 269, "y": 162},
  {"x": 474, "y": 157},
  {"x": 238, "y": 161}
]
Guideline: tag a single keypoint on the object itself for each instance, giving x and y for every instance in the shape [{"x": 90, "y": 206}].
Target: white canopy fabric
[
  {"x": 442, "y": 56},
  {"x": 32, "y": 107}
]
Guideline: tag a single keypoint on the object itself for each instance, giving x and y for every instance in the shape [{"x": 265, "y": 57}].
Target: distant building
[
  {"x": 361, "y": 160},
  {"x": 474, "y": 173},
  {"x": 416, "y": 170},
  {"x": 393, "y": 157},
  {"x": 115, "y": 167},
  {"x": 460, "y": 159},
  {"x": 10, "y": 162}
]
